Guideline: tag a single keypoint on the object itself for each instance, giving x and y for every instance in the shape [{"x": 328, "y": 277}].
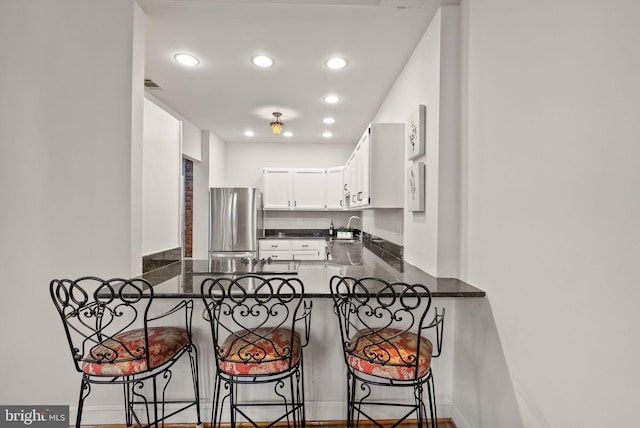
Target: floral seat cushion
[
  {"x": 125, "y": 354},
  {"x": 389, "y": 353},
  {"x": 260, "y": 351}
]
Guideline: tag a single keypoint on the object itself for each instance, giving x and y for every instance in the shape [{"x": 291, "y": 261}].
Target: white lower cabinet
[
  {"x": 276, "y": 249},
  {"x": 293, "y": 249},
  {"x": 309, "y": 249}
]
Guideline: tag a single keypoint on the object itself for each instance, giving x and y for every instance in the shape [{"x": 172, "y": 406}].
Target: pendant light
[{"x": 276, "y": 125}]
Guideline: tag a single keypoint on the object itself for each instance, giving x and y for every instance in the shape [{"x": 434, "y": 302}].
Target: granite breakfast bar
[{"x": 325, "y": 374}]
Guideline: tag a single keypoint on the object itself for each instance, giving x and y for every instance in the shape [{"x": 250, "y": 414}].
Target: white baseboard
[
  {"x": 458, "y": 418},
  {"x": 317, "y": 411}
]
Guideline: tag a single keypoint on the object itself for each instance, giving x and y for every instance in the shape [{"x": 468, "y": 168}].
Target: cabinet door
[
  {"x": 362, "y": 196},
  {"x": 277, "y": 188},
  {"x": 347, "y": 176},
  {"x": 353, "y": 178},
  {"x": 335, "y": 188},
  {"x": 309, "y": 189}
]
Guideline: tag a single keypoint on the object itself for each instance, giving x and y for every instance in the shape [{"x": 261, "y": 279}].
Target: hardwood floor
[{"x": 442, "y": 423}]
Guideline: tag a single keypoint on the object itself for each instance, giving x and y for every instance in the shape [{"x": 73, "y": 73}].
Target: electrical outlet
[{"x": 299, "y": 222}]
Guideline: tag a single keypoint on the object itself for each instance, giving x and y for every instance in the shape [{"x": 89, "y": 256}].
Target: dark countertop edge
[
  {"x": 295, "y": 238},
  {"x": 160, "y": 275},
  {"x": 462, "y": 294}
]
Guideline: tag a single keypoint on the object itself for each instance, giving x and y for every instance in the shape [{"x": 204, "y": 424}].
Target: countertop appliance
[
  {"x": 242, "y": 265},
  {"x": 235, "y": 222}
]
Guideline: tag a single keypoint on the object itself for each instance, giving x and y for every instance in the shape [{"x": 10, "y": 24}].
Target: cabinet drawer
[
  {"x": 274, "y": 244},
  {"x": 308, "y": 244},
  {"x": 307, "y": 255},
  {"x": 276, "y": 255}
]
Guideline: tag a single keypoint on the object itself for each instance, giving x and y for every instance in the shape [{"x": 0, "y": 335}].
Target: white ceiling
[{"x": 227, "y": 94}]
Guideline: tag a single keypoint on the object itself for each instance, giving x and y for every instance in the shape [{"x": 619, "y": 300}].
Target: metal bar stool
[
  {"x": 100, "y": 319},
  {"x": 382, "y": 328},
  {"x": 253, "y": 325}
]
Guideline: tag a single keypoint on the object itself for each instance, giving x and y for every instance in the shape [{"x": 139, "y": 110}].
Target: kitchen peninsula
[
  {"x": 183, "y": 279},
  {"x": 325, "y": 377}
]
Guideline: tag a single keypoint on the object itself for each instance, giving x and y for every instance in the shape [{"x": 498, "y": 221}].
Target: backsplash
[
  {"x": 308, "y": 219},
  {"x": 296, "y": 233},
  {"x": 163, "y": 258},
  {"x": 391, "y": 253}
]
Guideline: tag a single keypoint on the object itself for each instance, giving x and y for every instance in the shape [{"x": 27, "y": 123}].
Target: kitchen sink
[{"x": 345, "y": 251}]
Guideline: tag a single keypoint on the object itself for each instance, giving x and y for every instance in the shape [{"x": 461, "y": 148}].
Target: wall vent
[{"x": 148, "y": 83}]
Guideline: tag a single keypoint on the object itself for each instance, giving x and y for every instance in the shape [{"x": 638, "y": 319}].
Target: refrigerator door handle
[{"x": 234, "y": 219}]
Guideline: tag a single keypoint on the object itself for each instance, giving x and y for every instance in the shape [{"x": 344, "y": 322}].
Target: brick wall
[{"x": 188, "y": 207}]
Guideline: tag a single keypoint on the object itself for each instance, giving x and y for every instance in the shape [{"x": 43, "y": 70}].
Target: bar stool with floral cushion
[
  {"x": 259, "y": 326},
  {"x": 114, "y": 340},
  {"x": 382, "y": 327}
]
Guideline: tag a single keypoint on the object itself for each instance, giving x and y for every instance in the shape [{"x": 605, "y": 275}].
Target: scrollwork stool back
[
  {"x": 259, "y": 326},
  {"x": 382, "y": 327},
  {"x": 114, "y": 340}
]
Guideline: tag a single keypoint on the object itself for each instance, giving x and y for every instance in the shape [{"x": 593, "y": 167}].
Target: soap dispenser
[{"x": 331, "y": 228}]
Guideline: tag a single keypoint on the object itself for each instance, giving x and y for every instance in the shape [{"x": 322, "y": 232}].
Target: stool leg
[
  {"x": 303, "y": 419},
  {"x": 351, "y": 399},
  {"x": 127, "y": 402},
  {"x": 193, "y": 361},
  {"x": 85, "y": 390},
  {"x": 432, "y": 401}
]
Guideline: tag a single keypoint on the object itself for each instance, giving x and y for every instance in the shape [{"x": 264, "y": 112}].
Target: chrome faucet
[{"x": 349, "y": 223}]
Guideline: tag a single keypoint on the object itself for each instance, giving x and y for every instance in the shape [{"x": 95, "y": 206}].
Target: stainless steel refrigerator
[{"x": 235, "y": 222}]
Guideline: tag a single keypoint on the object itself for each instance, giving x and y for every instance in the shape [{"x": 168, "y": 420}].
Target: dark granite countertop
[{"x": 183, "y": 279}]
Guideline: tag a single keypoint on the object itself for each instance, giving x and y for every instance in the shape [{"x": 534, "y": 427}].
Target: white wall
[
  {"x": 191, "y": 141},
  {"x": 245, "y": 161},
  {"x": 310, "y": 219},
  {"x": 206, "y": 151},
  {"x": 137, "y": 138},
  {"x": 551, "y": 210},
  {"x": 430, "y": 77},
  {"x": 217, "y": 160},
  {"x": 210, "y": 169},
  {"x": 161, "y": 183},
  {"x": 66, "y": 171}
]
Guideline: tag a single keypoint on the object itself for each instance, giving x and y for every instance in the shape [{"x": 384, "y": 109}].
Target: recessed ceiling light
[
  {"x": 186, "y": 59},
  {"x": 262, "y": 61},
  {"x": 249, "y": 133},
  {"x": 329, "y": 120},
  {"x": 288, "y": 134},
  {"x": 331, "y": 99},
  {"x": 336, "y": 63},
  {"x": 327, "y": 134}
]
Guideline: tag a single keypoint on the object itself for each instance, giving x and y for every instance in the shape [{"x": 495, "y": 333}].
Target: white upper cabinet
[
  {"x": 277, "y": 188},
  {"x": 309, "y": 188},
  {"x": 373, "y": 177},
  {"x": 376, "y": 178},
  {"x": 335, "y": 188},
  {"x": 360, "y": 173},
  {"x": 294, "y": 189}
]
